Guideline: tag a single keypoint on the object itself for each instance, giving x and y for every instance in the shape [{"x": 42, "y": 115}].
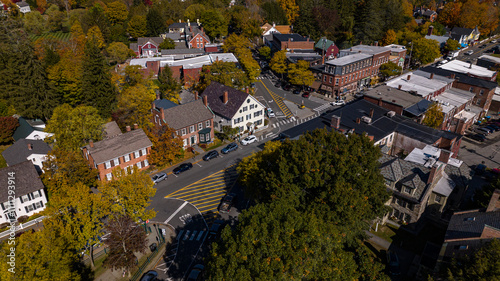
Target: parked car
[
  {"x": 338, "y": 102},
  {"x": 227, "y": 202},
  {"x": 478, "y": 137},
  {"x": 494, "y": 126},
  {"x": 230, "y": 147},
  {"x": 211, "y": 155},
  {"x": 358, "y": 95},
  {"x": 482, "y": 46},
  {"x": 195, "y": 274},
  {"x": 248, "y": 140},
  {"x": 159, "y": 177},
  {"x": 270, "y": 112},
  {"x": 494, "y": 41},
  {"x": 491, "y": 128},
  {"x": 182, "y": 168},
  {"x": 393, "y": 264},
  {"x": 306, "y": 95},
  {"x": 150, "y": 276},
  {"x": 469, "y": 53},
  {"x": 287, "y": 87},
  {"x": 483, "y": 130},
  {"x": 215, "y": 229},
  {"x": 282, "y": 137},
  {"x": 296, "y": 91},
  {"x": 277, "y": 84}
]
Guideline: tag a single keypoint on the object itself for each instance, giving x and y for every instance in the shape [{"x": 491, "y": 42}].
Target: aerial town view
[{"x": 268, "y": 140}]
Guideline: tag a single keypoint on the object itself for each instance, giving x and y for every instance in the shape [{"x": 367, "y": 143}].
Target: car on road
[
  {"x": 482, "y": 46},
  {"x": 393, "y": 264},
  {"x": 182, "y": 168},
  {"x": 159, "y": 177},
  {"x": 296, "y": 91},
  {"x": 469, "y": 53},
  {"x": 496, "y": 127},
  {"x": 150, "y": 276},
  {"x": 491, "y": 128},
  {"x": 306, "y": 95},
  {"x": 211, "y": 155},
  {"x": 484, "y": 131},
  {"x": 215, "y": 229},
  {"x": 277, "y": 84},
  {"x": 494, "y": 41},
  {"x": 248, "y": 140},
  {"x": 196, "y": 273},
  {"x": 287, "y": 87},
  {"x": 338, "y": 102},
  {"x": 358, "y": 95},
  {"x": 230, "y": 147},
  {"x": 282, "y": 137},
  {"x": 478, "y": 137},
  {"x": 270, "y": 112},
  {"x": 227, "y": 203}
]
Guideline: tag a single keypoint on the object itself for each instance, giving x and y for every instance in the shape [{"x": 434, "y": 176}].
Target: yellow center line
[
  {"x": 198, "y": 187},
  {"x": 276, "y": 100}
]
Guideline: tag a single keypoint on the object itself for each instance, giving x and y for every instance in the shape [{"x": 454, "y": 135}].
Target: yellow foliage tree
[
  {"x": 291, "y": 9},
  {"x": 450, "y": 15},
  {"x": 94, "y": 34},
  {"x": 484, "y": 15},
  {"x": 434, "y": 116},
  {"x": 117, "y": 12},
  {"x": 389, "y": 37},
  {"x": 134, "y": 104}
]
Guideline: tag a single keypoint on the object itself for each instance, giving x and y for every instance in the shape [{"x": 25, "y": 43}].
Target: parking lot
[{"x": 474, "y": 152}]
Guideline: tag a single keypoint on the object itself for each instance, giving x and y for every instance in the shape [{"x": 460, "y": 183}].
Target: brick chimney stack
[
  {"x": 432, "y": 76},
  {"x": 444, "y": 156},
  {"x": 157, "y": 96},
  {"x": 91, "y": 143},
  {"x": 205, "y": 101},
  {"x": 399, "y": 87},
  {"x": 494, "y": 204},
  {"x": 371, "y": 112},
  {"x": 225, "y": 97},
  {"x": 127, "y": 128},
  {"x": 429, "y": 31},
  {"x": 358, "y": 120},
  {"x": 376, "y": 43},
  {"x": 30, "y": 146},
  {"x": 408, "y": 77},
  {"x": 196, "y": 95},
  {"x": 136, "y": 126},
  {"x": 335, "y": 122}
]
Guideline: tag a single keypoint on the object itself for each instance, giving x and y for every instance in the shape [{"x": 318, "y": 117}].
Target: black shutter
[
  {"x": 40, "y": 192},
  {"x": 3, "y": 207},
  {"x": 41, "y": 202},
  {"x": 26, "y": 208},
  {"x": 34, "y": 206},
  {"x": 21, "y": 198}
]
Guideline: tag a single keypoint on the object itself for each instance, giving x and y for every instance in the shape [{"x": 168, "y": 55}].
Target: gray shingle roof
[
  {"x": 215, "y": 92},
  {"x": 393, "y": 95},
  {"x": 23, "y": 130},
  {"x": 471, "y": 224},
  {"x": 165, "y": 104},
  {"x": 26, "y": 180},
  {"x": 111, "y": 129},
  {"x": 18, "y": 152},
  {"x": 293, "y": 36},
  {"x": 120, "y": 145},
  {"x": 143, "y": 40},
  {"x": 188, "y": 114}
]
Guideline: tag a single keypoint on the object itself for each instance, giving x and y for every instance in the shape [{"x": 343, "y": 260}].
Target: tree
[
  {"x": 389, "y": 69},
  {"x": 55, "y": 18},
  {"x": 65, "y": 77},
  {"x": 96, "y": 81},
  {"x": 278, "y": 62},
  {"x": 290, "y": 8},
  {"x": 7, "y": 127},
  {"x": 167, "y": 146},
  {"x": 273, "y": 12},
  {"x": 126, "y": 237},
  {"x": 94, "y": 34},
  {"x": 215, "y": 23},
  {"x": 119, "y": 52},
  {"x": 134, "y": 104},
  {"x": 434, "y": 116},
  {"x": 169, "y": 87},
  {"x": 129, "y": 193},
  {"x": 73, "y": 127},
  {"x": 389, "y": 37},
  {"x": 155, "y": 23},
  {"x": 299, "y": 73},
  {"x": 236, "y": 44},
  {"x": 230, "y": 132},
  {"x": 34, "y": 22},
  {"x": 223, "y": 72},
  {"x": 452, "y": 45},
  {"x": 96, "y": 16},
  {"x": 137, "y": 26},
  {"x": 194, "y": 12},
  {"x": 450, "y": 15},
  {"x": 167, "y": 44},
  {"x": 249, "y": 64},
  {"x": 265, "y": 52},
  {"x": 425, "y": 50},
  {"x": 483, "y": 15},
  {"x": 117, "y": 12}
]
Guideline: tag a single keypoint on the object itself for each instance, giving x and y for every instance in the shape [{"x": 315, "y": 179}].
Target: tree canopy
[{"x": 434, "y": 116}]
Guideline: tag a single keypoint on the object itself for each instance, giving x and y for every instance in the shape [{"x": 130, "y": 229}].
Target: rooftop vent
[
  {"x": 366, "y": 119},
  {"x": 391, "y": 114}
]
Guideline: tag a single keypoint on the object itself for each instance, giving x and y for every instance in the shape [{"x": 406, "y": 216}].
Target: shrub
[{"x": 22, "y": 219}]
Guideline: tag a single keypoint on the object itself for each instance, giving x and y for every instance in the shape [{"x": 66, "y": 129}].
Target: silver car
[{"x": 159, "y": 177}]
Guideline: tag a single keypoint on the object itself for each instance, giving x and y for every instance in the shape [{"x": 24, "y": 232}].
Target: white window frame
[
  {"x": 30, "y": 208},
  {"x": 109, "y": 176},
  {"x": 191, "y": 129},
  {"x": 200, "y": 126},
  {"x": 126, "y": 158},
  {"x": 183, "y": 131},
  {"x": 144, "y": 152},
  {"x": 146, "y": 163},
  {"x": 116, "y": 161},
  {"x": 139, "y": 165},
  {"x": 107, "y": 164},
  {"x": 35, "y": 195},
  {"x": 25, "y": 198},
  {"x": 136, "y": 154},
  {"x": 38, "y": 205}
]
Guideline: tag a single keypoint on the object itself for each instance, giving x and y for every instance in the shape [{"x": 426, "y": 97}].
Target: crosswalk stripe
[
  {"x": 199, "y": 235},
  {"x": 180, "y": 234},
  {"x": 219, "y": 194},
  {"x": 186, "y": 236},
  {"x": 193, "y": 235}
]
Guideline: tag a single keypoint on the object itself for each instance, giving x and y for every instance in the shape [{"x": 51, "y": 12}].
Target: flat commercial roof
[
  {"x": 393, "y": 95},
  {"x": 454, "y": 98},
  {"x": 419, "y": 82},
  {"x": 468, "y": 68},
  {"x": 372, "y": 50},
  {"x": 348, "y": 59}
]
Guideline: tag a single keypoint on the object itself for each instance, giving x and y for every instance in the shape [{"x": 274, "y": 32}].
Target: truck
[
  {"x": 452, "y": 55},
  {"x": 227, "y": 202}
]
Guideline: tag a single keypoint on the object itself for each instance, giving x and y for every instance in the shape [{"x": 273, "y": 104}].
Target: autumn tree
[
  {"x": 299, "y": 73},
  {"x": 434, "y": 116},
  {"x": 73, "y": 127},
  {"x": 119, "y": 52},
  {"x": 389, "y": 37},
  {"x": 389, "y": 69},
  {"x": 116, "y": 12},
  {"x": 167, "y": 44},
  {"x": 483, "y": 14},
  {"x": 450, "y": 15},
  {"x": 265, "y": 52},
  {"x": 129, "y": 193},
  {"x": 194, "y": 11},
  {"x": 223, "y": 72},
  {"x": 167, "y": 146},
  {"x": 8, "y": 126},
  {"x": 452, "y": 45},
  {"x": 126, "y": 237},
  {"x": 236, "y": 44},
  {"x": 168, "y": 86},
  {"x": 65, "y": 77},
  {"x": 214, "y": 23},
  {"x": 34, "y": 23},
  {"x": 155, "y": 22},
  {"x": 278, "y": 62},
  {"x": 290, "y": 8},
  {"x": 137, "y": 26},
  {"x": 425, "y": 50}
]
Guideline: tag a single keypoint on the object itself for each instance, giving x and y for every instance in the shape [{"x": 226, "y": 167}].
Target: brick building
[{"x": 291, "y": 42}]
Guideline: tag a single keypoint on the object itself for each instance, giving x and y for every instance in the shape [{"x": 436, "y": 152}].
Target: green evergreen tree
[
  {"x": 155, "y": 23},
  {"x": 96, "y": 82}
]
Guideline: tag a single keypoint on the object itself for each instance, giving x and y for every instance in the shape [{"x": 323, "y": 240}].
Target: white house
[
  {"x": 34, "y": 150},
  {"x": 233, "y": 108},
  {"x": 30, "y": 130},
  {"x": 23, "y": 7},
  {"x": 27, "y": 197}
]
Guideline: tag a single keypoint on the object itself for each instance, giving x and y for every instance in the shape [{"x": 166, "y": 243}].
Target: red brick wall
[
  {"x": 202, "y": 42},
  {"x": 387, "y": 105},
  {"x": 485, "y": 98},
  {"x": 191, "y": 76},
  {"x": 176, "y": 72},
  {"x": 303, "y": 45}
]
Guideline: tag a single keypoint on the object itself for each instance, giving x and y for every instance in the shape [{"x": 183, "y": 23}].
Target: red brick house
[
  {"x": 196, "y": 37},
  {"x": 147, "y": 46},
  {"x": 291, "y": 42},
  {"x": 123, "y": 150}
]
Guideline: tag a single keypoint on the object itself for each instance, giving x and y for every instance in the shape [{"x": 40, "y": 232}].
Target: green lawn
[
  {"x": 386, "y": 232},
  {"x": 3, "y": 164}
]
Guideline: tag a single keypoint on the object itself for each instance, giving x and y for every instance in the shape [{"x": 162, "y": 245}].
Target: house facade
[
  {"x": 30, "y": 197},
  {"x": 147, "y": 46},
  {"x": 124, "y": 150},
  {"x": 233, "y": 108},
  {"x": 23, "y": 7},
  {"x": 193, "y": 121},
  {"x": 291, "y": 42}
]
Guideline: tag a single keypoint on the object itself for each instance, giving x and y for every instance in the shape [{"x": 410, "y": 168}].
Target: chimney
[
  {"x": 248, "y": 90},
  {"x": 432, "y": 175},
  {"x": 432, "y": 75},
  {"x": 162, "y": 112},
  {"x": 408, "y": 78},
  {"x": 444, "y": 156},
  {"x": 494, "y": 204},
  {"x": 30, "y": 146},
  {"x": 196, "y": 95},
  {"x": 371, "y": 112},
  {"x": 136, "y": 126},
  {"x": 128, "y": 128},
  {"x": 91, "y": 143},
  {"x": 470, "y": 66},
  {"x": 399, "y": 87},
  {"x": 205, "y": 101},
  {"x": 429, "y": 31},
  {"x": 225, "y": 97},
  {"x": 335, "y": 122},
  {"x": 190, "y": 29},
  {"x": 358, "y": 120},
  {"x": 203, "y": 32},
  {"x": 157, "y": 96},
  {"x": 376, "y": 43}
]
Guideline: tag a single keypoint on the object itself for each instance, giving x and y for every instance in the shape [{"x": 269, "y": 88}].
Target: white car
[
  {"x": 469, "y": 53},
  {"x": 248, "y": 140},
  {"x": 270, "y": 113},
  {"x": 493, "y": 41},
  {"x": 338, "y": 102}
]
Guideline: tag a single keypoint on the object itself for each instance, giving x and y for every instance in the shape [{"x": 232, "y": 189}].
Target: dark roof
[
  {"x": 165, "y": 104},
  {"x": 177, "y": 25},
  {"x": 183, "y": 51},
  {"x": 143, "y": 40},
  {"x": 23, "y": 130},
  {"x": 419, "y": 108},
  {"x": 461, "y": 77},
  {"x": 18, "y": 152},
  {"x": 22, "y": 4},
  {"x": 380, "y": 127},
  {"x": 215, "y": 92},
  {"x": 26, "y": 179},
  {"x": 323, "y": 44},
  {"x": 194, "y": 31},
  {"x": 187, "y": 114},
  {"x": 173, "y": 36},
  {"x": 471, "y": 224},
  {"x": 462, "y": 31},
  {"x": 291, "y": 36},
  {"x": 120, "y": 145},
  {"x": 429, "y": 12}
]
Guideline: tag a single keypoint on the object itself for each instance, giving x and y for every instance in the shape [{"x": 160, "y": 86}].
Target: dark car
[
  {"x": 182, "y": 168},
  {"x": 215, "y": 229},
  {"x": 478, "y": 137},
  {"x": 492, "y": 128},
  {"x": 496, "y": 127},
  {"x": 306, "y": 95},
  {"x": 393, "y": 263},
  {"x": 482, "y": 46},
  {"x": 227, "y": 202},
  {"x": 195, "y": 273},
  {"x": 150, "y": 276},
  {"x": 230, "y": 147},
  {"x": 287, "y": 87},
  {"x": 296, "y": 91},
  {"x": 211, "y": 155},
  {"x": 282, "y": 137},
  {"x": 277, "y": 84}
]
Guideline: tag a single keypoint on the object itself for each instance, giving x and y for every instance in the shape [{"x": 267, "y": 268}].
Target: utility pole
[{"x": 411, "y": 49}]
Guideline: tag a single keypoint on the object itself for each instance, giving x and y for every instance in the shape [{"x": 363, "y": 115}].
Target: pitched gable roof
[
  {"x": 188, "y": 114},
  {"x": 283, "y": 29},
  {"x": 465, "y": 225},
  {"x": 27, "y": 179},
  {"x": 214, "y": 93},
  {"x": 24, "y": 129},
  {"x": 155, "y": 40},
  {"x": 266, "y": 27},
  {"x": 323, "y": 44},
  {"x": 19, "y": 151}
]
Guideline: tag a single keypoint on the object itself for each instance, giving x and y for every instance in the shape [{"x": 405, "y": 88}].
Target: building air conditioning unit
[
  {"x": 391, "y": 114},
  {"x": 366, "y": 119}
]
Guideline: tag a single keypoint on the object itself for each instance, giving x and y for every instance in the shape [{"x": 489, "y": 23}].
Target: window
[
  {"x": 191, "y": 129},
  {"x": 437, "y": 199},
  {"x": 481, "y": 92},
  {"x": 463, "y": 247},
  {"x": 249, "y": 116},
  {"x": 245, "y": 108},
  {"x": 38, "y": 205},
  {"x": 202, "y": 137},
  {"x": 117, "y": 161},
  {"x": 330, "y": 79},
  {"x": 136, "y": 154},
  {"x": 146, "y": 163},
  {"x": 324, "y": 78},
  {"x": 197, "y": 39},
  {"x": 144, "y": 151},
  {"x": 107, "y": 164},
  {"x": 35, "y": 195},
  {"x": 183, "y": 132},
  {"x": 471, "y": 89},
  {"x": 185, "y": 142},
  {"x": 252, "y": 106},
  {"x": 29, "y": 208},
  {"x": 139, "y": 165},
  {"x": 200, "y": 126},
  {"x": 207, "y": 123},
  {"x": 258, "y": 122},
  {"x": 25, "y": 198},
  {"x": 336, "y": 81},
  {"x": 407, "y": 190},
  {"x": 127, "y": 157},
  {"x": 197, "y": 45},
  {"x": 109, "y": 176},
  {"x": 478, "y": 102}
]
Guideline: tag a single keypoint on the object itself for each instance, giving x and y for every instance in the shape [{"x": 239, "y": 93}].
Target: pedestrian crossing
[
  {"x": 322, "y": 107},
  {"x": 279, "y": 101},
  {"x": 294, "y": 121}
]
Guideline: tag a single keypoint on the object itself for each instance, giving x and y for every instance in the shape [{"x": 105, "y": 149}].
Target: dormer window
[{"x": 407, "y": 190}]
